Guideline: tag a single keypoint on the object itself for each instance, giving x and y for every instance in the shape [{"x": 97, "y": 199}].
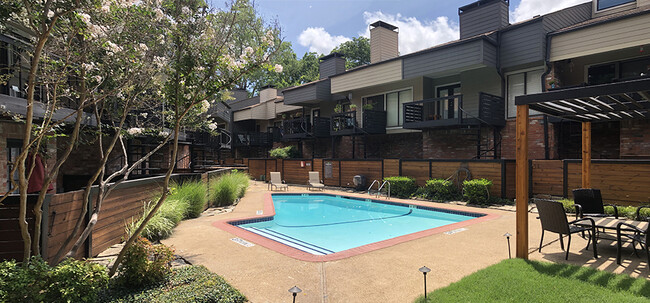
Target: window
[
  {"x": 635, "y": 68},
  {"x": 14, "y": 148},
  {"x": 615, "y": 71},
  {"x": 600, "y": 74},
  {"x": 390, "y": 102},
  {"x": 523, "y": 84},
  {"x": 605, "y": 4}
]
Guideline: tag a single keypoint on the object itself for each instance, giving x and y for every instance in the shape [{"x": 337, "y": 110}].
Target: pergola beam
[
  {"x": 522, "y": 181},
  {"x": 586, "y": 154}
]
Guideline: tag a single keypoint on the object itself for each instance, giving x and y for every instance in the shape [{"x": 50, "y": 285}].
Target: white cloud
[
  {"x": 319, "y": 40},
  {"x": 415, "y": 35},
  {"x": 530, "y": 8}
]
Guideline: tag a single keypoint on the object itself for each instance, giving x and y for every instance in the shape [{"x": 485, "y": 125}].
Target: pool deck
[{"x": 388, "y": 274}]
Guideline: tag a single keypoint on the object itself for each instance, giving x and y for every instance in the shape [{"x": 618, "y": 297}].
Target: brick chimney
[
  {"x": 483, "y": 16},
  {"x": 331, "y": 65},
  {"x": 268, "y": 93},
  {"x": 383, "y": 41}
]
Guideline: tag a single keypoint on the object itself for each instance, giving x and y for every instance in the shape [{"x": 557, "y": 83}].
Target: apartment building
[{"x": 456, "y": 100}]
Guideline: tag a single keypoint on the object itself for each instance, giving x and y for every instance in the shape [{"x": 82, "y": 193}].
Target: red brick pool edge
[{"x": 269, "y": 211}]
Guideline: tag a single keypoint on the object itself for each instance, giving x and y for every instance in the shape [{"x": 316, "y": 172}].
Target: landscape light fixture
[
  {"x": 425, "y": 270},
  {"x": 295, "y": 290},
  {"x": 508, "y": 235}
]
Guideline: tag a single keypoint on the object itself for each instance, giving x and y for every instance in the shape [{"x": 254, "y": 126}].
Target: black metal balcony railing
[
  {"x": 222, "y": 140},
  {"x": 302, "y": 128},
  {"x": 373, "y": 121},
  {"x": 449, "y": 111},
  {"x": 253, "y": 139}
]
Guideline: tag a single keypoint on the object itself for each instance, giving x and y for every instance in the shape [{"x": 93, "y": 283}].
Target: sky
[{"x": 321, "y": 25}]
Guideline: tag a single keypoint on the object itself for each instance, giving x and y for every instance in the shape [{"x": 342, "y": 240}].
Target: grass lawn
[
  {"x": 516, "y": 280},
  {"x": 185, "y": 284}
]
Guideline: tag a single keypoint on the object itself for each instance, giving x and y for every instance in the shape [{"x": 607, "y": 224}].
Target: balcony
[
  {"x": 345, "y": 124},
  {"x": 262, "y": 139},
  {"x": 449, "y": 112},
  {"x": 300, "y": 128},
  {"x": 222, "y": 140}
]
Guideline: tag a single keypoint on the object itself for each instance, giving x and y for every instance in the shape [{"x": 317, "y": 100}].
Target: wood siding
[
  {"x": 523, "y": 45},
  {"x": 449, "y": 60},
  {"x": 601, "y": 38},
  {"x": 312, "y": 93},
  {"x": 369, "y": 76},
  {"x": 483, "y": 19}
]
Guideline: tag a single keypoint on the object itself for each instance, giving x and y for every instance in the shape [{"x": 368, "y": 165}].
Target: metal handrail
[
  {"x": 382, "y": 186},
  {"x": 373, "y": 183}
]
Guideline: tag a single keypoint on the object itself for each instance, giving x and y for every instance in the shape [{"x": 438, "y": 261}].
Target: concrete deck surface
[{"x": 385, "y": 275}]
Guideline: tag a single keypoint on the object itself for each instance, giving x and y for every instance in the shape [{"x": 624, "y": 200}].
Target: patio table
[{"x": 608, "y": 224}]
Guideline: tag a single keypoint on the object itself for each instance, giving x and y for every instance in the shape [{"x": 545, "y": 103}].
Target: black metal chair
[
  {"x": 637, "y": 235},
  {"x": 589, "y": 202},
  {"x": 554, "y": 219}
]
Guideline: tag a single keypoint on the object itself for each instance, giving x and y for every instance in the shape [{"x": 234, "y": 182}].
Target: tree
[
  {"x": 120, "y": 58},
  {"x": 295, "y": 71},
  {"x": 356, "y": 51}
]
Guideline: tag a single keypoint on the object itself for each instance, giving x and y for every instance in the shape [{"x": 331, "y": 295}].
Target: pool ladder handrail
[
  {"x": 387, "y": 192},
  {"x": 373, "y": 183}
]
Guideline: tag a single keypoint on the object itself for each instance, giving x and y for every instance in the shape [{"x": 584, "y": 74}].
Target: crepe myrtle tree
[
  {"x": 203, "y": 64},
  {"x": 126, "y": 65},
  {"x": 111, "y": 58},
  {"x": 42, "y": 20}
]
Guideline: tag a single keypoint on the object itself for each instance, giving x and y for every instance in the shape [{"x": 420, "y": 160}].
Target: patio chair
[
  {"x": 589, "y": 202},
  {"x": 276, "y": 180},
  {"x": 554, "y": 219},
  {"x": 636, "y": 235},
  {"x": 315, "y": 181}
]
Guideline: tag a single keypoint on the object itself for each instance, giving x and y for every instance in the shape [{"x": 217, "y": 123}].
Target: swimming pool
[{"x": 324, "y": 224}]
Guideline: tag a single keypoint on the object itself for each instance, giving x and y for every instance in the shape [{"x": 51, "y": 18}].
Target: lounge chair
[
  {"x": 589, "y": 202},
  {"x": 276, "y": 180},
  {"x": 553, "y": 219},
  {"x": 315, "y": 181},
  {"x": 637, "y": 235}
]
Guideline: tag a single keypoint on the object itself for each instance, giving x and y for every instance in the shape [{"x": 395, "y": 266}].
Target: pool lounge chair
[
  {"x": 315, "y": 181},
  {"x": 553, "y": 219},
  {"x": 276, "y": 180}
]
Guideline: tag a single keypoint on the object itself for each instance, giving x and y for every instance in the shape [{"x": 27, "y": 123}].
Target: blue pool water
[{"x": 324, "y": 224}]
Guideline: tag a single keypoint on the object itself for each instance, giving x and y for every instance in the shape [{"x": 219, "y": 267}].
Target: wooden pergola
[{"x": 599, "y": 103}]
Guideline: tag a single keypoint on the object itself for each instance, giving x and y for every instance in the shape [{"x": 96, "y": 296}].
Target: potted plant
[
  {"x": 353, "y": 107},
  {"x": 368, "y": 106},
  {"x": 338, "y": 108}
]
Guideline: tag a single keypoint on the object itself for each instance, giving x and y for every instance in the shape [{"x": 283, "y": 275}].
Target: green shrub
[
  {"x": 70, "y": 281},
  {"x": 402, "y": 187},
  {"x": 145, "y": 264},
  {"x": 477, "y": 191},
  {"x": 440, "y": 189},
  {"x": 228, "y": 188},
  {"x": 19, "y": 284},
  {"x": 568, "y": 205},
  {"x": 284, "y": 152},
  {"x": 185, "y": 284},
  {"x": 195, "y": 193},
  {"x": 76, "y": 281}
]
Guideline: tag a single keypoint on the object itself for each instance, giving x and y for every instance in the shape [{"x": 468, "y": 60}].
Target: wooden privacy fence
[
  {"x": 62, "y": 211},
  {"x": 340, "y": 172},
  {"x": 624, "y": 182}
]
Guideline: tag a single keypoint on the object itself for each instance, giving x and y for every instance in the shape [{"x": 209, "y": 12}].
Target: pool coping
[{"x": 269, "y": 212}]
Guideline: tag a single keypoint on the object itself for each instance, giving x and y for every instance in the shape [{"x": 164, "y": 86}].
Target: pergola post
[
  {"x": 586, "y": 154},
  {"x": 522, "y": 181}
]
